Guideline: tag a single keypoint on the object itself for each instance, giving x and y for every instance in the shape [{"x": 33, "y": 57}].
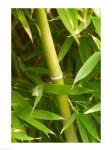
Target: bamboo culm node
[
  {"x": 56, "y": 74},
  {"x": 57, "y": 77}
]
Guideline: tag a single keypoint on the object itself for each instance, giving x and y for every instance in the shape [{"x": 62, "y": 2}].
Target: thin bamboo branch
[{"x": 54, "y": 69}]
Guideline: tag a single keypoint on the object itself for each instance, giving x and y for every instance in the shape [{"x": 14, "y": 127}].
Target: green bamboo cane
[{"x": 54, "y": 69}]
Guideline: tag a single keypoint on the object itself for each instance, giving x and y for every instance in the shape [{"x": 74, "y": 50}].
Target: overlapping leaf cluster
[{"x": 35, "y": 114}]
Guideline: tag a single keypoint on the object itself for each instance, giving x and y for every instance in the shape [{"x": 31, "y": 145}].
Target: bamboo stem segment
[{"x": 54, "y": 69}]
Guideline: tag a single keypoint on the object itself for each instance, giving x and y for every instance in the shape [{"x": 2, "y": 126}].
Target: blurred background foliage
[{"x": 35, "y": 115}]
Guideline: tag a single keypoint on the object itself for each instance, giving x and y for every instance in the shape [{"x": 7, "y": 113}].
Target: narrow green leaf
[
  {"x": 89, "y": 124},
  {"x": 73, "y": 14},
  {"x": 24, "y": 22},
  {"x": 28, "y": 13},
  {"x": 82, "y": 131},
  {"x": 16, "y": 122},
  {"x": 65, "y": 89},
  {"x": 38, "y": 29},
  {"x": 92, "y": 139},
  {"x": 97, "y": 117},
  {"x": 23, "y": 84},
  {"x": 79, "y": 98},
  {"x": 65, "y": 47},
  {"x": 45, "y": 115},
  {"x": 37, "y": 91},
  {"x": 84, "y": 49},
  {"x": 97, "y": 41},
  {"x": 20, "y": 105},
  {"x": 67, "y": 22},
  {"x": 95, "y": 108},
  {"x": 32, "y": 55},
  {"x": 83, "y": 25},
  {"x": 37, "y": 100},
  {"x": 36, "y": 124},
  {"x": 39, "y": 70},
  {"x": 33, "y": 77},
  {"x": 20, "y": 135},
  {"x": 92, "y": 84},
  {"x": 21, "y": 65},
  {"x": 87, "y": 67},
  {"x": 92, "y": 42},
  {"x": 24, "y": 111},
  {"x": 69, "y": 121},
  {"x": 14, "y": 12},
  {"x": 96, "y": 22}
]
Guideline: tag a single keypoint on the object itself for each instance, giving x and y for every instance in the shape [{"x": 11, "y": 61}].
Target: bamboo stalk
[{"x": 54, "y": 69}]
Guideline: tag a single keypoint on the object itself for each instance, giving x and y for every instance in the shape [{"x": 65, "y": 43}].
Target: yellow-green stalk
[{"x": 54, "y": 69}]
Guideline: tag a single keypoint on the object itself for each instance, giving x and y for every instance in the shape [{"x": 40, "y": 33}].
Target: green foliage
[
  {"x": 67, "y": 19},
  {"x": 65, "y": 47},
  {"x": 34, "y": 109},
  {"x": 24, "y": 22},
  {"x": 96, "y": 22},
  {"x": 83, "y": 132},
  {"x": 69, "y": 121},
  {"x": 66, "y": 89},
  {"x": 84, "y": 49},
  {"x": 88, "y": 67},
  {"x": 89, "y": 125},
  {"x": 95, "y": 108},
  {"x": 37, "y": 91},
  {"x": 20, "y": 135},
  {"x": 45, "y": 115}
]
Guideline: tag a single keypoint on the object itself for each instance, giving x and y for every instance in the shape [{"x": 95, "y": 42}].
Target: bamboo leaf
[
  {"x": 21, "y": 135},
  {"x": 16, "y": 122},
  {"x": 45, "y": 115},
  {"x": 24, "y": 84},
  {"x": 87, "y": 67},
  {"x": 97, "y": 117},
  {"x": 39, "y": 70},
  {"x": 21, "y": 65},
  {"x": 65, "y": 89},
  {"x": 24, "y": 22},
  {"x": 83, "y": 25},
  {"x": 33, "y": 76},
  {"x": 65, "y": 48},
  {"x": 24, "y": 110},
  {"x": 79, "y": 98},
  {"x": 96, "y": 22},
  {"x": 20, "y": 105},
  {"x": 36, "y": 124},
  {"x": 69, "y": 121},
  {"x": 73, "y": 14},
  {"x": 67, "y": 22},
  {"x": 97, "y": 41},
  {"x": 82, "y": 131},
  {"x": 84, "y": 49},
  {"x": 92, "y": 139},
  {"x": 89, "y": 125},
  {"x": 37, "y": 100},
  {"x": 92, "y": 84},
  {"x": 37, "y": 91},
  {"x": 92, "y": 42},
  {"x": 95, "y": 108}
]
